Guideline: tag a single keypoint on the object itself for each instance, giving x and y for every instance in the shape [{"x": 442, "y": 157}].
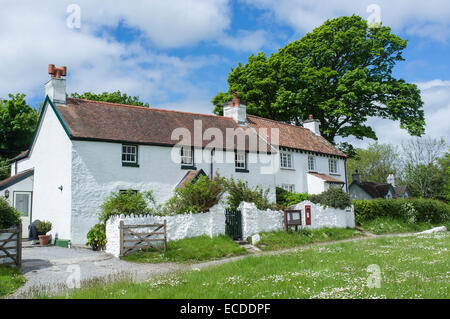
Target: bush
[
  {"x": 333, "y": 197},
  {"x": 127, "y": 203},
  {"x": 240, "y": 191},
  {"x": 406, "y": 209},
  {"x": 97, "y": 236},
  {"x": 43, "y": 227},
  {"x": 9, "y": 217},
  {"x": 286, "y": 199},
  {"x": 195, "y": 197}
]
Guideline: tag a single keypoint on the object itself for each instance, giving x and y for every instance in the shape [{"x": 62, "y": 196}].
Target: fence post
[
  {"x": 165, "y": 235},
  {"x": 121, "y": 237},
  {"x": 19, "y": 247}
]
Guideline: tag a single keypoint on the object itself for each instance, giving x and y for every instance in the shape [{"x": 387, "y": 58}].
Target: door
[
  {"x": 233, "y": 224},
  {"x": 22, "y": 203},
  {"x": 307, "y": 215}
]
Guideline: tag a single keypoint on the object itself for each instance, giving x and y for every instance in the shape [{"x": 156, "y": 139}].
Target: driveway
[{"x": 50, "y": 269}]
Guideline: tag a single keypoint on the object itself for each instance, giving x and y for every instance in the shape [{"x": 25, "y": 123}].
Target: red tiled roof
[
  {"x": 117, "y": 122},
  {"x": 189, "y": 177},
  {"x": 326, "y": 178},
  {"x": 20, "y": 156},
  {"x": 15, "y": 178},
  {"x": 293, "y": 136}
]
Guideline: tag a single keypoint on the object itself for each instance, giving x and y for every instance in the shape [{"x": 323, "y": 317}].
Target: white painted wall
[
  {"x": 327, "y": 216},
  {"x": 211, "y": 224},
  {"x": 51, "y": 158},
  {"x": 255, "y": 221}
]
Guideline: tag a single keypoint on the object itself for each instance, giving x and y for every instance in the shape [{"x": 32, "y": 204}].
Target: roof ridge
[
  {"x": 149, "y": 108},
  {"x": 280, "y": 122}
]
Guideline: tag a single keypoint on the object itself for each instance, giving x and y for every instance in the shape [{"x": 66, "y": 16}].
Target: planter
[{"x": 44, "y": 239}]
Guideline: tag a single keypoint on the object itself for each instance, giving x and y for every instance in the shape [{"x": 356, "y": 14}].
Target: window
[
  {"x": 129, "y": 155},
  {"x": 311, "y": 163},
  {"x": 286, "y": 160},
  {"x": 332, "y": 165},
  {"x": 187, "y": 156},
  {"x": 288, "y": 187},
  {"x": 240, "y": 162},
  {"x": 124, "y": 191}
]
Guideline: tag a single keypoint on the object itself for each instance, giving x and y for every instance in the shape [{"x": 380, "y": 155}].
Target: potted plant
[
  {"x": 97, "y": 237},
  {"x": 43, "y": 227}
]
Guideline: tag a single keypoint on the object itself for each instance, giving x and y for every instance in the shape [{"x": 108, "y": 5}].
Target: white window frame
[
  {"x": 333, "y": 168},
  {"x": 286, "y": 160},
  {"x": 311, "y": 160},
  {"x": 240, "y": 160},
  {"x": 127, "y": 151},
  {"x": 187, "y": 156},
  {"x": 288, "y": 187}
]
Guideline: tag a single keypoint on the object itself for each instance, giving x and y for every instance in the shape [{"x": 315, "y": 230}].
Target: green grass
[
  {"x": 10, "y": 280},
  {"x": 191, "y": 250},
  {"x": 282, "y": 239},
  {"x": 411, "y": 267},
  {"x": 384, "y": 225}
]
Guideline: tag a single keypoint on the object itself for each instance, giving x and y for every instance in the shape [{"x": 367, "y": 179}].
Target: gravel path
[{"x": 48, "y": 269}]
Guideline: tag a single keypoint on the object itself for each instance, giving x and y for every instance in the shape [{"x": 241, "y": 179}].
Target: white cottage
[{"x": 84, "y": 150}]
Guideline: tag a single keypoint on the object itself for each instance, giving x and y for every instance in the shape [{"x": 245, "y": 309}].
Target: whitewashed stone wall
[
  {"x": 327, "y": 216},
  {"x": 211, "y": 223},
  {"x": 255, "y": 221}
]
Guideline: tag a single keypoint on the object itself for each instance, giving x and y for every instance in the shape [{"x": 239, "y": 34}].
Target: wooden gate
[
  {"x": 11, "y": 246},
  {"x": 233, "y": 223},
  {"x": 131, "y": 239}
]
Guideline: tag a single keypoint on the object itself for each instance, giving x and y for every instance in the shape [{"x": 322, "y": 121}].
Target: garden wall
[
  {"x": 255, "y": 221},
  {"x": 327, "y": 216},
  {"x": 211, "y": 223}
]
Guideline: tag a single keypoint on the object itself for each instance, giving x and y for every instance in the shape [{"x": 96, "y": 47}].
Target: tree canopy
[
  {"x": 341, "y": 73},
  {"x": 114, "y": 97}
]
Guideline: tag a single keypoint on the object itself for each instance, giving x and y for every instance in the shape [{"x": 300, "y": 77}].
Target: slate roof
[
  {"x": 327, "y": 178},
  {"x": 376, "y": 190},
  {"x": 15, "y": 179}
]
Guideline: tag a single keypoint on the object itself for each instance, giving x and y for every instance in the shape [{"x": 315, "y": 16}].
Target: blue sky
[{"x": 177, "y": 54}]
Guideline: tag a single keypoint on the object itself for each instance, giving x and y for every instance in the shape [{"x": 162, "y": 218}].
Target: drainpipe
[
  {"x": 345, "y": 169},
  {"x": 212, "y": 159}
]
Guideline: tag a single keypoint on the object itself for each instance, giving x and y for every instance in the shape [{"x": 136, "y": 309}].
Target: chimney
[
  {"x": 391, "y": 179},
  {"x": 312, "y": 125},
  {"x": 356, "y": 177},
  {"x": 55, "y": 88},
  {"x": 236, "y": 110}
]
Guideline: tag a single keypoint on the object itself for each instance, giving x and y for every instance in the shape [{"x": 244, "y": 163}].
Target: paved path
[{"x": 48, "y": 269}]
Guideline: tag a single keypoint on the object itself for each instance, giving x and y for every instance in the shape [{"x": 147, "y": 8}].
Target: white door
[{"x": 22, "y": 203}]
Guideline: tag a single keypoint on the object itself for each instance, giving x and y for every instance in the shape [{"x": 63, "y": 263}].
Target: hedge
[
  {"x": 8, "y": 215},
  {"x": 407, "y": 209}
]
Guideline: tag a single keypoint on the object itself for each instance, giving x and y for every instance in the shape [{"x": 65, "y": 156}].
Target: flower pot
[{"x": 44, "y": 239}]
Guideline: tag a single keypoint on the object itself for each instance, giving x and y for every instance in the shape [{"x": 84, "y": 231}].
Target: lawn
[
  {"x": 282, "y": 239},
  {"x": 384, "y": 225},
  {"x": 194, "y": 249},
  {"x": 414, "y": 266},
  {"x": 10, "y": 280}
]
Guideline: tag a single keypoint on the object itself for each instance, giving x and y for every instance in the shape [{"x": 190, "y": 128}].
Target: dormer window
[
  {"x": 129, "y": 155},
  {"x": 187, "y": 157}
]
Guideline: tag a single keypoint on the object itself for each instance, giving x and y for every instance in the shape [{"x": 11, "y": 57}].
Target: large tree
[
  {"x": 114, "y": 97},
  {"x": 341, "y": 73}
]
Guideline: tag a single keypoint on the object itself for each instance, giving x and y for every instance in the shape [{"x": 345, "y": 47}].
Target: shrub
[
  {"x": 239, "y": 191},
  {"x": 286, "y": 199},
  {"x": 127, "y": 203},
  {"x": 196, "y": 197},
  {"x": 8, "y": 215},
  {"x": 333, "y": 197},
  {"x": 97, "y": 236},
  {"x": 407, "y": 209},
  {"x": 43, "y": 227}
]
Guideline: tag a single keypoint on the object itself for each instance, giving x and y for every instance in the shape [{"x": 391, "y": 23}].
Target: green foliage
[
  {"x": 195, "y": 197},
  {"x": 193, "y": 249},
  {"x": 9, "y": 216},
  {"x": 341, "y": 73},
  {"x": 333, "y": 197},
  {"x": 405, "y": 209},
  {"x": 5, "y": 168},
  {"x": 17, "y": 124},
  {"x": 239, "y": 191},
  {"x": 374, "y": 163},
  {"x": 127, "y": 203},
  {"x": 445, "y": 169},
  {"x": 114, "y": 97},
  {"x": 286, "y": 199},
  {"x": 389, "y": 225},
  {"x": 97, "y": 236},
  {"x": 11, "y": 279},
  {"x": 43, "y": 227}
]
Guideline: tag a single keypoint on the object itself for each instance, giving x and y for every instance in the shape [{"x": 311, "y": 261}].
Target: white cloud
[
  {"x": 427, "y": 19},
  {"x": 246, "y": 41}
]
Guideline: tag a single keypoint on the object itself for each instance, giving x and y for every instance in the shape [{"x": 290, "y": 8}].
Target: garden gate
[
  {"x": 233, "y": 223},
  {"x": 11, "y": 246},
  {"x": 131, "y": 239}
]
